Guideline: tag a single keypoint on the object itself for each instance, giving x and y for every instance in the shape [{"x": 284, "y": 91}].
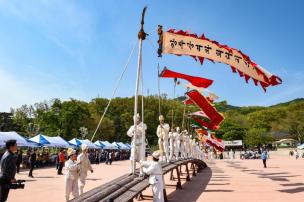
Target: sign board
[{"x": 233, "y": 143}]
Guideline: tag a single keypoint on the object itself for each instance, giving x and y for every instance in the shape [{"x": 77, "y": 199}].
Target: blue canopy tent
[
  {"x": 32, "y": 144},
  {"x": 40, "y": 139},
  {"x": 128, "y": 145},
  {"x": 120, "y": 145},
  {"x": 5, "y": 136},
  {"x": 98, "y": 143},
  {"x": 57, "y": 142},
  {"x": 108, "y": 145},
  {"x": 75, "y": 142},
  {"x": 90, "y": 144},
  {"x": 124, "y": 146}
]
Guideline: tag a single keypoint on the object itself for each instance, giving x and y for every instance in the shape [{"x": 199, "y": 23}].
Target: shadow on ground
[{"x": 194, "y": 188}]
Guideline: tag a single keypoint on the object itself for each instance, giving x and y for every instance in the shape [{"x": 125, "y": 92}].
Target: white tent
[
  {"x": 108, "y": 145},
  {"x": 57, "y": 142},
  {"x": 98, "y": 143},
  {"x": 121, "y": 145},
  {"x": 90, "y": 144},
  {"x": 5, "y": 136}
]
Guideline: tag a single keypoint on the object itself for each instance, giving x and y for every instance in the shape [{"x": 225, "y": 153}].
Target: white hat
[
  {"x": 84, "y": 147},
  {"x": 156, "y": 154},
  {"x": 161, "y": 118},
  {"x": 177, "y": 129},
  {"x": 71, "y": 151}
]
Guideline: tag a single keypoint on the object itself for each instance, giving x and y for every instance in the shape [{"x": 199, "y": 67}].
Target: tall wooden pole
[{"x": 141, "y": 37}]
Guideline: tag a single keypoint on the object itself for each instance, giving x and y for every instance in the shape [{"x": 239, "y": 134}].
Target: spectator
[
  {"x": 264, "y": 157},
  {"x": 8, "y": 169},
  {"x": 32, "y": 161},
  {"x": 19, "y": 160},
  {"x": 61, "y": 161}
]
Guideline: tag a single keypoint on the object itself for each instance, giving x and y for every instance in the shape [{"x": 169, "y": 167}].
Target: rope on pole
[{"x": 114, "y": 91}]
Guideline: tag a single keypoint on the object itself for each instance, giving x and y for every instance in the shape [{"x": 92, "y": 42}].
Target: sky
[{"x": 77, "y": 49}]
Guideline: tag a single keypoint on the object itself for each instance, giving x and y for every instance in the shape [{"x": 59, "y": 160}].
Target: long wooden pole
[{"x": 141, "y": 37}]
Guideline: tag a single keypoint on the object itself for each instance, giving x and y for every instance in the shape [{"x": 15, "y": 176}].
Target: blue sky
[{"x": 77, "y": 49}]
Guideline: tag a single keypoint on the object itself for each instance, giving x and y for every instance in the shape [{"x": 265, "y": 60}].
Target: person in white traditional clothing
[
  {"x": 177, "y": 143},
  {"x": 162, "y": 133},
  {"x": 187, "y": 145},
  {"x": 139, "y": 143},
  {"x": 71, "y": 175},
  {"x": 182, "y": 144},
  {"x": 85, "y": 166},
  {"x": 172, "y": 139},
  {"x": 156, "y": 180}
]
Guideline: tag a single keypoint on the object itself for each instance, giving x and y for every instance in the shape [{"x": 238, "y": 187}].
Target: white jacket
[
  {"x": 84, "y": 164},
  {"x": 162, "y": 132},
  {"x": 72, "y": 169}
]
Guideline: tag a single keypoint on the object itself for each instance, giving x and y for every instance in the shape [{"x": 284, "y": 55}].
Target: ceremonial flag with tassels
[
  {"x": 199, "y": 47},
  {"x": 194, "y": 80},
  {"x": 215, "y": 117},
  {"x": 188, "y": 101}
]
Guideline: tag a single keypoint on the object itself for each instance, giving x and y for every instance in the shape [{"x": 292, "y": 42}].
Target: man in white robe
[
  {"x": 139, "y": 143},
  {"x": 71, "y": 175},
  {"x": 177, "y": 146},
  {"x": 172, "y": 143},
  {"x": 162, "y": 133},
  {"x": 154, "y": 169},
  {"x": 84, "y": 165}
]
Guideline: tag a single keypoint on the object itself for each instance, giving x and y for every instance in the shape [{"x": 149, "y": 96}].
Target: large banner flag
[
  {"x": 194, "y": 80},
  {"x": 215, "y": 117},
  {"x": 216, "y": 142},
  {"x": 200, "y": 47},
  {"x": 204, "y": 124}
]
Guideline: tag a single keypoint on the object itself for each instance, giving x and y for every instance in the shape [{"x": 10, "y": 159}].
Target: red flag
[
  {"x": 194, "y": 80},
  {"x": 215, "y": 117},
  {"x": 188, "y": 101}
]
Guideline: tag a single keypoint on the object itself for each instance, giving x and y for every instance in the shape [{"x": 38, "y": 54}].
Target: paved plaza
[{"x": 223, "y": 180}]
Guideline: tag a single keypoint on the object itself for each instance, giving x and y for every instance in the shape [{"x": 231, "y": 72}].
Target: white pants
[
  {"x": 158, "y": 193},
  {"x": 71, "y": 185},
  {"x": 177, "y": 149},
  {"x": 166, "y": 148},
  {"x": 82, "y": 180},
  {"x": 171, "y": 149}
]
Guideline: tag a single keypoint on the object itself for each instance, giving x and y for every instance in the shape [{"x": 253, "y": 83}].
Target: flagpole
[{"x": 141, "y": 37}]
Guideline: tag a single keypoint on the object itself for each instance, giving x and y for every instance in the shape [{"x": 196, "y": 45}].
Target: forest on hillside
[{"x": 75, "y": 118}]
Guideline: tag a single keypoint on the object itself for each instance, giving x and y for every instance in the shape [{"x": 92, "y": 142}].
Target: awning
[
  {"x": 5, "y": 136},
  {"x": 90, "y": 144},
  {"x": 108, "y": 145},
  {"x": 40, "y": 139},
  {"x": 98, "y": 143}
]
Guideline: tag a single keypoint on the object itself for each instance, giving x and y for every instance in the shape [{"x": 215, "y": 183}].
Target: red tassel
[
  {"x": 240, "y": 73},
  {"x": 246, "y": 78},
  {"x": 233, "y": 69},
  {"x": 255, "y": 81},
  {"x": 201, "y": 59}
]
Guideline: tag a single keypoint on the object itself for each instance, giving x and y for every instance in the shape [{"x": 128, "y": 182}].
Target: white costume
[
  {"x": 177, "y": 146},
  {"x": 71, "y": 178},
  {"x": 154, "y": 169},
  {"x": 140, "y": 144},
  {"x": 85, "y": 166},
  {"x": 182, "y": 138},
  {"x": 162, "y": 133},
  {"x": 172, "y": 136},
  {"x": 187, "y": 145}
]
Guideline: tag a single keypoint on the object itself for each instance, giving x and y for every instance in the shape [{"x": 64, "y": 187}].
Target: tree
[{"x": 257, "y": 136}]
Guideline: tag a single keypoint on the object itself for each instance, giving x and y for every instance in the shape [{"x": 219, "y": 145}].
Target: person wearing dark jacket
[
  {"x": 33, "y": 159},
  {"x": 8, "y": 169},
  {"x": 19, "y": 160}
]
